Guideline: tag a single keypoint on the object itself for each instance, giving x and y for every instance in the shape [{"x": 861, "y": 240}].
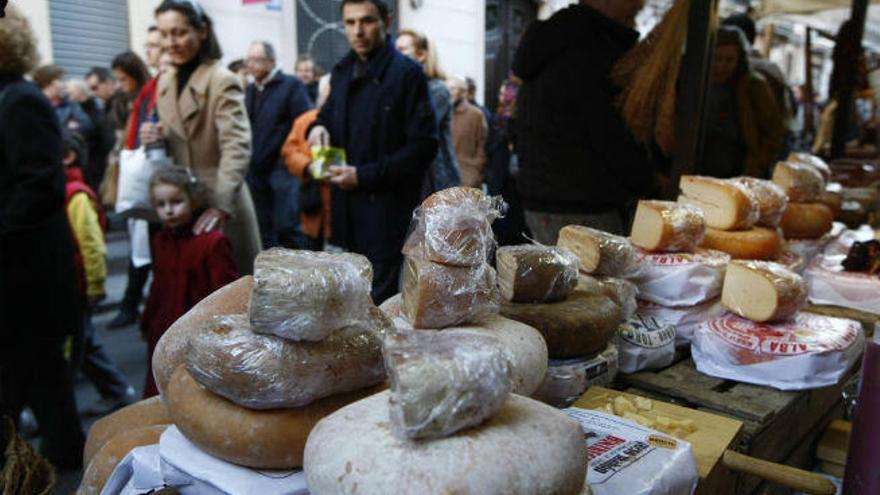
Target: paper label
[
  {"x": 806, "y": 333},
  {"x": 647, "y": 332}
]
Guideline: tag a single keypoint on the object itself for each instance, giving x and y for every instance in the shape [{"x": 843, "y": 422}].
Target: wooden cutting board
[{"x": 713, "y": 436}]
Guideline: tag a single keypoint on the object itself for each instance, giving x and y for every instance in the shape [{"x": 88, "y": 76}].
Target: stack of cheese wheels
[
  {"x": 732, "y": 209},
  {"x": 446, "y": 278},
  {"x": 808, "y": 215},
  {"x": 250, "y": 370}
]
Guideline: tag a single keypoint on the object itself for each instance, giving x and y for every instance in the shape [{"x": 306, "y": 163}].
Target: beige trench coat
[{"x": 207, "y": 129}]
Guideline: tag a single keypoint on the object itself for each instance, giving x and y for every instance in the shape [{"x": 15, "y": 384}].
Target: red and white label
[
  {"x": 806, "y": 333},
  {"x": 700, "y": 256}
]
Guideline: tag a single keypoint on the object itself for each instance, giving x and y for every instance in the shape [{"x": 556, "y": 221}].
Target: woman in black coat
[{"x": 39, "y": 302}]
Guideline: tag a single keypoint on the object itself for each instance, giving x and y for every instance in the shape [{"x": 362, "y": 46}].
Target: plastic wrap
[
  {"x": 813, "y": 161},
  {"x": 306, "y": 295},
  {"x": 568, "y": 379},
  {"x": 807, "y": 351},
  {"x": 454, "y": 227},
  {"x": 792, "y": 260},
  {"x": 437, "y": 296},
  {"x": 623, "y": 292},
  {"x": 601, "y": 253},
  {"x": 763, "y": 291},
  {"x": 801, "y": 183},
  {"x": 324, "y": 157},
  {"x": 772, "y": 200},
  {"x": 726, "y": 204},
  {"x": 830, "y": 284},
  {"x": 685, "y": 320},
  {"x": 682, "y": 279},
  {"x": 665, "y": 226},
  {"x": 442, "y": 383},
  {"x": 627, "y": 458},
  {"x": 645, "y": 343},
  {"x": 267, "y": 372},
  {"x": 534, "y": 273}
]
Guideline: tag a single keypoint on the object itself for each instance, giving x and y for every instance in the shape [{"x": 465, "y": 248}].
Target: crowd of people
[{"x": 242, "y": 178}]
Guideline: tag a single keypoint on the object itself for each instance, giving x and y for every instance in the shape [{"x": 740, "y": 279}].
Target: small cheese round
[
  {"x": 802, "y": 183},
  {"x": 272, "y": 439},
  {"x": 147, "y": 412},
  {"x": 527, "y": 448},
  {"x": 758, "y": 243},
  {"x": 772, "y": 200},
  {"x": 807, "y": 220},
  {"x": 664, "y": 226},
  {"x": 111, "y": 454}
]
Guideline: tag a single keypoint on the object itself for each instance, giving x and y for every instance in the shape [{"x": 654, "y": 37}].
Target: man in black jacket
[
  {"x": 274, "y": 100},
  {"x": 380, "y": 111},
  {"x": 578, "y": 162}
]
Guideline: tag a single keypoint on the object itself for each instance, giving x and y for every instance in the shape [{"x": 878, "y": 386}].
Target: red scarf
[{"x": 148, "y": 91}]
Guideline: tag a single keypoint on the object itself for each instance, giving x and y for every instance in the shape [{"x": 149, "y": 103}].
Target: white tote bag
[{"x": 135, "y": 171}]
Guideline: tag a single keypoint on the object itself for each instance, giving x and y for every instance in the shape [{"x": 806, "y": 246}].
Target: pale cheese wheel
[
  {"x": 527, "y": 448},
  {"x": 802, "y": 183},
  {"x": 727, "y": 205},
  {"x": 763, "y": 291},
  {"x": 664, "y": 226},
  {"x": 271, "y": 439},
  {"x": 758, "y": 243},
  {"x": 772, "y": 200},
  {"x": 111, "y": 454},
  {"x": 806, "y": 221},
  {"x": 147, "y": 412},
  {"x": 172, "y": 347},
  {"x": 600, "y": 253}
]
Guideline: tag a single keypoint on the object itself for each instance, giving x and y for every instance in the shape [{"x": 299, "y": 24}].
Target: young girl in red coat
[{"x": 186, "y": 267}]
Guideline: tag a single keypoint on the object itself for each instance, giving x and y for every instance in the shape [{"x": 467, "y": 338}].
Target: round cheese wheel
[
  {"x": 772, "y": 200},
  {"x": 579, "y": 326},
  {"x": 172, "y": 347},
  {"x": 758, "y": 243},
  {"x": 111, "y": 454},
  {"x": 832, "y": 200},
  {"x": 527, "y": 448},
  {"x": 270, "y": 439},
  {"x": 806, "y": 220},
  {"x": 147, "y": 412}
]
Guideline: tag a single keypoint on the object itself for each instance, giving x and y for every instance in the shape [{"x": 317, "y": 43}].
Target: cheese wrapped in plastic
[
  {"x": 802, "y": 183},
  {"x": 454, "y": 227},
  {"x": 726, "y": 204},
  {"x": 772, "y": 200},
  {"x": 534, "y": 273},
  {"x": 601, "y": 253},
  {"x": 437, "y": 296},
  {"x": 813, "y": 161},
  {"x": 763, "y": 291},
  {"x": 307, "y": 295},
  {"x": 442, "y": 383},
  {"x": 568, "y": 379},
  {"x": 267, "y": 372},
  {"x": 664, "y": 226}
]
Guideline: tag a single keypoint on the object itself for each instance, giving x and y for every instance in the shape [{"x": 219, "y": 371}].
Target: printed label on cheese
[
  {"x": 624, "y": 457},
  {"x": 700, "y": 256},
  {"x": 806, "y": 333},
  {"x": 647, "y": 332}
]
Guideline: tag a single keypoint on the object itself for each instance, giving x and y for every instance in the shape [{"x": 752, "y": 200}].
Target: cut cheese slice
[
  {"x": 807, "y": 221},
  {"x": 772, "y": 200},
  {"x": 758, "y": 243},
  {"x": 802, "y": 183},
  {"x": 763, "y": 291},
  {"x": 667, "y": 227},
  {"x": 533, "y": 273},
  {"x": 727, "y": 205},
  {"x": 600, "y": 253},
  {"x": 437, "y": 296}
]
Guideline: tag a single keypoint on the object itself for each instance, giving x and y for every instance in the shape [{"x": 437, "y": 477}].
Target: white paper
[
  {"x": 138, "y": 472},
  {"x": 626, "y": 458},
  {"x": 645, "y": 343},
  {"x": 682, "y": 279},
  {"x": 685, "y": 320},
  {"x": 568, "y": 379},
  {"x": 139, "y": 236}
]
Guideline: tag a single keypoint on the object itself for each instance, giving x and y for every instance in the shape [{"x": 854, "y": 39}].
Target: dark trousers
[
  {"x": 90, "y": 358},
  {"x": 134, "y": 290},
  {"x": 386, "y": 279},
  {"x": 36, "y": 374},
  {"x": 276, "y": 200}
]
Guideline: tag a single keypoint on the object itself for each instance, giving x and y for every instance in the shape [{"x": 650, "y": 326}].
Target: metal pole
[
  {"x": 845, "y": 94},
  {"x": 693, "y": 87},
  {"x": 809, "y": 92}
]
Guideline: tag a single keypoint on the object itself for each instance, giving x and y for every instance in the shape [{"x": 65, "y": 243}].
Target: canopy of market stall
[{"x": 823, "y": 15}]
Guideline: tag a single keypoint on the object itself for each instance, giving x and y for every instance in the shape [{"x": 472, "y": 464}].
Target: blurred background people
[
  {"x": 50, "y": 79},
  {"x": 308, "y": 73},
  {"x": 470, "y": 132}
]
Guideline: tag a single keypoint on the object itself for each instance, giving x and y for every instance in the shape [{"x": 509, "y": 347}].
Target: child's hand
[{"x": 212, "y": 219}]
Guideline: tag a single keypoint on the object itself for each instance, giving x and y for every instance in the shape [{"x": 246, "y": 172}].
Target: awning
[
  {"x": 827, "y": 19},
  {"x": 769, "y": 7}
]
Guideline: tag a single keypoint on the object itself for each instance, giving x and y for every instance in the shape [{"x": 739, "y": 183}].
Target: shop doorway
[{"x": 506, "y": 21}]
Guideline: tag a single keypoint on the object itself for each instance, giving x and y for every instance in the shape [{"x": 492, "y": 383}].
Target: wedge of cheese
[
  {"x": 533, "y": 273},
  {"x": 668, "y": 227},
  {"x": 600, "y": 253},
  {"x": 763, "y": 291},
  {"x": 727, "y": 205},
  {"x": 802, "y": 183}
]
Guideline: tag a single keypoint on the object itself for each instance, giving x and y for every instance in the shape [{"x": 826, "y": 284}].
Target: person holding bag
[{"x": 204, "y": 124}]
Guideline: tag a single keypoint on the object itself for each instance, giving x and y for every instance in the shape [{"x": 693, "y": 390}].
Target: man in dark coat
[
  {"x": 274, "y": 100},
  {"x": 578, "y": 162},
  {"x": 380, "y": 111},
  {"x": 39, "y": 302}
]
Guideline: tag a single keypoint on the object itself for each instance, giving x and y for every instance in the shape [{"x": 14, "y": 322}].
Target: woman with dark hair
[
  {"x": 744, "y": 133},
  {"x": 131, "y": 72},
  {"x": 203, "y": 121}
]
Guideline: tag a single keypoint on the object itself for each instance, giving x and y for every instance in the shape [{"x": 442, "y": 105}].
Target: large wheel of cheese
[
  {"x": 270, "y": 439},
  {"x": 111, "y": 454},
  {"x": 806, "y": 220},
  {"x": 147, "y": 412},
  {"x": 171, "y": 350},
  {"x": 579, "y": 326},
  {"x": 758, "y": 243},
  {"x": 527, "y": 448}
]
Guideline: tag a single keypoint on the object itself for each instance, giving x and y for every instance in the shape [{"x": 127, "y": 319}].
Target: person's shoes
[
  {"x": 124, "y": 318},
  {"x": 106, "y": 405},
  {"x": 27, "y": 424}
]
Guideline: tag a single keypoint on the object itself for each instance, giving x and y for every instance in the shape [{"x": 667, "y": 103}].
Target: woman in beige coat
[{"x": 203, "y": 119}]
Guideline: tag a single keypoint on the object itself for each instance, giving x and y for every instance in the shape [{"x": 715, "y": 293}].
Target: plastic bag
[
  {"x": 442, "y": 383},
  {"x": 568, "y": 379},
  {"x": 770, "y": 197},
  {"x": 267, "y": 372},
  {"x": 324, "y": 157},
  {"x": 307, "y": 295},
  {"x": 792, "y": 260},
  {"x": 601, "y": 253},
  {"x": 627, "y": 458},
  {"x": 454, "y": 227},
  {"x": 682, "y": 279},
  {"x": 133, "y": 196},
  {"x": 533, "y": 273},
  {"x": 437, "y": 296},
  {"x": 645, "y": 343},
  {"x": 808, "y": 351},
  {"x": 685, "y": 320}
]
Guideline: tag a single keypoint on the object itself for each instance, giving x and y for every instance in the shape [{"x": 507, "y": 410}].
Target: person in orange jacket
[{"x": 314, "y": 194}]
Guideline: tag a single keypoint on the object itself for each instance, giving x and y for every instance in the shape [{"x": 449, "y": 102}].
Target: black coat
[
  {"x": 385, "y": 122},
  {"x": 272, "y": 113},
  {"x": 38, "y": 283},
  {"x": 576, "y": 155}
]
